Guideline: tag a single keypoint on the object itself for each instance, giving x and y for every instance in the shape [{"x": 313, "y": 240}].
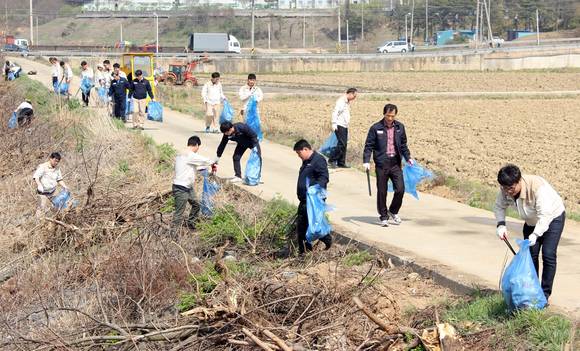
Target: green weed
[
  {"x": 166, "y": 153},
  {"x": 226, "y": 224},
  {"x": 168, "y": 206},
  {"x": 123, "y": 166},
  {"x": 357, "y": 258},
  {"x": 186, "y": 302}
]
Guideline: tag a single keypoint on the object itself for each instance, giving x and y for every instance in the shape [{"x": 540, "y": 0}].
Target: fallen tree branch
[
  {"x": 256, "y": 340},
  {"x": 277, "y": 340}
]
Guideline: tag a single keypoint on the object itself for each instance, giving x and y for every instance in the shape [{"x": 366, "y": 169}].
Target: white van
[
  {"x": 234, "y": 44},
  {"x": 395, "y": 46}
]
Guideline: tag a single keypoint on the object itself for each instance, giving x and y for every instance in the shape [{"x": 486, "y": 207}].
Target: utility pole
[
  {"x": 406, "y": 32},
  {"x": 269, "y": 29},
  {"x": 538, "y": 26},
  {"x": 37, "y": 37},
  {"x": 31, "y": 26},
  {"x": 426, "y": 21},
  {"x": 476, "y": 36},
  {"x": 489, "y": 32},
  {"x": 347, "y": 39},
  {"x": 338, "y": 24},
  {"x": 362, "y": 21},
  {"x": 156, "y": 32},
  {"x": 412, "y": 18},
  {"x": 303, "y": 25},
  {"x": 121, "y": 40},
  {"x": 252, "y": 14}
]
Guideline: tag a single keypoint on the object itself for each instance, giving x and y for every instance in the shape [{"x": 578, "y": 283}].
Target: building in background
[{"x": 168, "y": 5}]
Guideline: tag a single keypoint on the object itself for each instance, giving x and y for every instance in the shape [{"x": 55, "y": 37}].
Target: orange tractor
[{"x": 179, "y": 73}]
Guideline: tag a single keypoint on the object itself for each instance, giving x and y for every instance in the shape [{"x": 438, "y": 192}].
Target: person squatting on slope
[
  {"x": 245, "y": 138},
  {"x": 340, "y": 122},
  {"x": 248, "y": 90},
  {"x": 543, "y": 211},
  {"x": 315, "y": 169},
  {"x": 24, "y": 113},
  {"x": 47, "y": 176},
  {"x": 387, "y": 142},
  {"x": 186, "y": 166},
  {"x": 212, "y": 94}
]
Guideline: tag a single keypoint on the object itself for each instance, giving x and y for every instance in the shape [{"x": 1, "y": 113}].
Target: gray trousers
[{"x": 182, "y": 196}]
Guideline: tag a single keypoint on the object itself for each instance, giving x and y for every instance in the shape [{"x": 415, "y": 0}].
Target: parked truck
[{"x": 213, "y": 42}]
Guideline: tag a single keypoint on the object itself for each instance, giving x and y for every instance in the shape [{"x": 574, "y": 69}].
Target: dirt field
[{"x": 431, "y": 81}]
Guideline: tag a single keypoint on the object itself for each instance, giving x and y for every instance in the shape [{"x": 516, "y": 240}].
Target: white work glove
[
  {"x": 40, "y": 188},
  {"x": 501, "y": 232},
  {"x": 334, "y": 127},
  {"x": 410, "y": 162},
  {"x": 216, "y": 160},
  {"x": 532, "y": 238},
  {"x": 367, "y": 166}
]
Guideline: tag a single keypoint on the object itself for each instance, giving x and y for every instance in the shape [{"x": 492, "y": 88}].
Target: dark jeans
[
  {"x": 548, "y": 243},
  {"x": 339, "y": 152},
  {"x": 390, "y": 170},
  {"x": 238, "y": 153},
  {"x": 182, "y": 196},
  {"x": 86, "y": 97},
  {"x": 119, "y": 107},
  {"x": 302, "y": 227}
]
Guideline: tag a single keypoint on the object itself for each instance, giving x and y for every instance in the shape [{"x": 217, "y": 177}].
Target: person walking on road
[
  {"x": 246, "y": 139},
  {"x": 140, "y": 88},
  {"x": 186, "y": 166},
  {"x": 340, "y": 121},
  {"x": 87, "y": 75},
  {"x": 55, "y": 72},
  {"x": 315, "y": 170},
  {"x": 118, "y": 92},
  {"x": 249, "y": 90},
  {"x": 67, "y": 75},
  {"x": 47, "y": 176},
  {"x": 117, "y": 69},
  {"x": 387, "y": 142},
  {"x": 213, "y": 95},
  {"x": 543, "y": 212}
]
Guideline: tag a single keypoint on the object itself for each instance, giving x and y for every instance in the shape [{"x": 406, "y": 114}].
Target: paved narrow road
[{"x": 454, "y": 239}]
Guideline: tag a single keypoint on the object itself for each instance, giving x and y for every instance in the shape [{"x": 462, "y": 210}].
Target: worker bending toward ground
[
  {"x": 186, "y": 166},
  {"x": 248, "y": 90},
  {"x": 542, "y": 209},
  {"x": 387, "y": 142},
  {"x": 140, "y": 88},
  {"x": 47, "y": 176},
  {"x": 340, "y": 122},
  {"x": 24, "y": 113},
  {"x": 212, "y": 94},
  {"x": 245, "y": 138},
  {"x": 314, "y": 170}
]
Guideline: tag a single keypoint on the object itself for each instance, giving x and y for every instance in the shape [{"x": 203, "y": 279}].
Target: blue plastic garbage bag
[
  {"x": 210, "y": 188},
  {"x": 316, "y": 207},
  {"x": 102, "y": 91},
  {"x": 413, "y": 176},
  {"x": 55, "y": 86},
  {"x": 227, "y": 114},
  {"x": 520, "y": 285},
  {"x": 253, "y": 168},
  {"x": 11, "y": 75},
  {"x": 253, "y": 118},
  {"x": 329, "y": 145},
  {"x": 128, "y": 106},
  {"x": 63, "y": 88},
  {"x": 86, "y": 85},
  {"x": 60, "y": 201},
  {"x": 155, "y": 111},
  {"x": 13, "y": 121}
]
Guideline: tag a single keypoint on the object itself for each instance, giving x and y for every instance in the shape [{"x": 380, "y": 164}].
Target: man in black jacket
[
  {"x": 387, "y": 141},
  {"x": 118, "y": 91},
  {"x": 140, "y": 88},
  {"x": 246, "y": 139},
  {"x": 315, "y": 169}
]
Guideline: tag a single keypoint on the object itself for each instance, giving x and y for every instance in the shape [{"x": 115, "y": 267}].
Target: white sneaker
[
  {"x": 395, "y": 217},
  {"x": 236, "y": 180},
  {"x": 384, "y": 222}
]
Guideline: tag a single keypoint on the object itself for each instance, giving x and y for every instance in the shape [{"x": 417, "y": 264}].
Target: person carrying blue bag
[
  {"x": 253, "y": 118},
  {"x": 47, "y": 176},
  {"x": 87, "y": 82},
  {"x": 253, "y": 168},
  {"x": 246, "y": 139},
  {"x": 312, "y": 179},
  {"x": 387, "y": 142},
  {"x": 543, "y": 211},
  {"x": 186, "y": 167}
]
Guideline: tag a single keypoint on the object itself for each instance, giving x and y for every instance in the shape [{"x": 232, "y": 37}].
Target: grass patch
[
  {"x": 357, "y": 258},
  {"x": 165, "y": 154},
  {"x": 123, "y": 167},
  {"x": 168, "y": 206}
]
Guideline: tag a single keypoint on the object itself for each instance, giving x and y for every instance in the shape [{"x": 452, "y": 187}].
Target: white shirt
[
  {"x": 538, "y": 203},
  {"x": 101, "y": 78},
  {"x": 245, "y": 94},
  {"x": 23, "y": 105},
  {"x": 88, "y": 73},
  {"x": 48, "y": 176},
  {"x": 67, "y": 72},
  {"x": 56, "y": 70},
  {"x": 212, "y": 94},
  {"x": 341, "y": 113},
  {"x": 185, "y": 167}
]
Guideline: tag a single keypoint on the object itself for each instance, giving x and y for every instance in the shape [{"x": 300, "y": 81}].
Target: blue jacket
[
  {"x": 119, "y": 88},
  {"x": 140, "y": 89},
  {"x": 316, "y": 170},
  {"x": 376, "y": 143},
  {"x": 243, "y": 135}
]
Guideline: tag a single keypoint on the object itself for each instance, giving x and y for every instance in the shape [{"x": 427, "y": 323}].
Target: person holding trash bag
[
  {"x": 87, "y": 82},
  {"x": 387, "y": 142},
  {"x": 246, "y": 139},
  {"x": 67, "y": 76},
  {"x": 140, "y": 88},
  {"x": 24, "y": 113},
  {"x": 213, "y": 95},
  {"x": 340, "y": 121},
  {"x": 118, "y": 91},
  {"x": 55, "y": 72},
  {"x": 543, "y": 211},
  {"x": 249, "y": 90},
  {"x": 186, "y": 165},
  {"x": 314, "y": 170},
  {"x": 47, "y": 176}
]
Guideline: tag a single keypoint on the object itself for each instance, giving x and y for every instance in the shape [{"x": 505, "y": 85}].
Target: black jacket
[
  {"x": 376, "y": 143},
  {"x": 316, "y": 170},
  {"x": 119, "y": 88},
  {"x": 243, "y": 135},
  {"x": 140, "y": 89}
]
